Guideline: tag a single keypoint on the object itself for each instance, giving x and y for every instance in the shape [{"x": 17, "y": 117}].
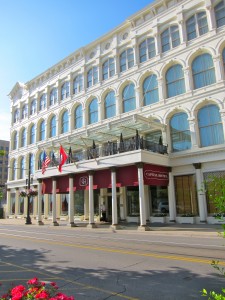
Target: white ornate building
[{"x": 142, "y": 109}]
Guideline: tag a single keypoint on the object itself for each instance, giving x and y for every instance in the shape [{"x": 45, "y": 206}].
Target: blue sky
[{"x": 37, "y": 34}]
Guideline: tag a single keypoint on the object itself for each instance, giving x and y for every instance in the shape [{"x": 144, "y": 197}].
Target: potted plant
[
  {"x": 187, "y": 218},
  {"x": 158, "y": 218}
]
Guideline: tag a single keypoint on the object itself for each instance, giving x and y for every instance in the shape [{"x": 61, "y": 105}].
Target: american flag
[{"x": 45, "y": 162}]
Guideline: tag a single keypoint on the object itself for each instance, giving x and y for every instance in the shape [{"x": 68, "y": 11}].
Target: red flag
[{"x": 63, "y": 157}]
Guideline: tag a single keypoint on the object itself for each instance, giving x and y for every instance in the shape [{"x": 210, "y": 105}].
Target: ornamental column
[
  {"x": 55, "y": 223},
  {"x": 91, "y": 202},
  {"x": 171, "y": 194},
  {"x": 142, "y": 199},
  {"x": 193, "y": 131},
  {"x": 200, "y": 193},
  {"x": 114, "y": 200},
  {"x": 40, "y": 202},
  {"x": 71, "y": 202},
  {"x": 210, "y": 15},
  {"x": 219, "y": 71}
]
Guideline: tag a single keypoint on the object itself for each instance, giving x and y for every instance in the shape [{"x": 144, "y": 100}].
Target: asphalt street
[{"x": 167, "y": 262}]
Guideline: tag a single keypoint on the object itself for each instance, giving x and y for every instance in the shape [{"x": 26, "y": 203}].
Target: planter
[
  {"x": 185, "y": 220},
  {"x": 213, "y": 220},
  {"x": 158, "y": 219}
]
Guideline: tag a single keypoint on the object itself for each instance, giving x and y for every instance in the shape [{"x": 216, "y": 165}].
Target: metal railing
[{"x": 110, "y": 148}]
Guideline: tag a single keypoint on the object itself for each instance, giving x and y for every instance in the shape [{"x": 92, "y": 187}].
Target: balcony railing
[{"x": 110, "y": 148}]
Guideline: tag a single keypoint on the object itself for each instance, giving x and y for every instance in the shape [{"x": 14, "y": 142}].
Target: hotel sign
[{"x": 156, "y": 175}]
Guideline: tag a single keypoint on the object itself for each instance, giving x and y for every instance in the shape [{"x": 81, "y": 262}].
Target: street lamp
[{"x": 28, "y": 219}]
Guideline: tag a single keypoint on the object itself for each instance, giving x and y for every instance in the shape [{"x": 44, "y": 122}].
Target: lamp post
[{"x": 28, "y": 219}]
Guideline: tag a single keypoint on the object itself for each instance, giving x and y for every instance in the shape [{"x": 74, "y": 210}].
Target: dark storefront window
[
  {"x": 79, "y": 203},
  {"x": 133, "y": 201},
  {"x": 31, "y": 205},
  {"x": 13, "y": 201},
  {"x": 64, "y": 204},
  {"x": 50, "y": 204},
  {"x": 159, "y": 199},
  {"x": 186, "y": 195},
  {"x": 96, "y": 202},
  {"x": 21, "y": 205}
]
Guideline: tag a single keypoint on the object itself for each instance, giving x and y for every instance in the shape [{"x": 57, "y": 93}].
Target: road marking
[
  {"x": 122, "y": 238},
  {"x": 159, "y": 256},
  {"x": 83, "y": 285}
]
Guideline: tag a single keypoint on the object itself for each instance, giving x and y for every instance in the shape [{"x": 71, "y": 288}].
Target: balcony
[{"x": 110, "y": 149}]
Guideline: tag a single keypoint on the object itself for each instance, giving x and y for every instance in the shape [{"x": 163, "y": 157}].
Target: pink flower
[
  {"x": 61, "y": 296},
  {"x": 17, "y": 296},
  {"x": 33, "y": 281},
  {"x": 54, "y": 285},
  {"x": 17, "y": 289},
  {"x": 42, "y": 295}
]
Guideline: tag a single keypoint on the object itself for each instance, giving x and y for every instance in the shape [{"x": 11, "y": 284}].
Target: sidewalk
[{"x": 190, "y": 229}]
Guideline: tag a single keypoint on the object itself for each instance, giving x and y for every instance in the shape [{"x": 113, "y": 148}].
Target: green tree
[
  {"x": 2, "y": 152},
  {"x": 215, "y": 189}
]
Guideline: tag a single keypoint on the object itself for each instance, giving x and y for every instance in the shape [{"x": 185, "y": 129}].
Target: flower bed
[{"x": 35, "y": 289}]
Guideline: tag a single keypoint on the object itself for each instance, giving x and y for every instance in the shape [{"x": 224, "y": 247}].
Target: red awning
[
  {"x": 127, "y": 176},
  {"x": 47, "y": 186}
]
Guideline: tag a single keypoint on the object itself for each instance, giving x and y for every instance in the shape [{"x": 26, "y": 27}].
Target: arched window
[
  {"x": 223, "y": 54},
  {"x": 15, "y": 141},
  {"x": 24, "y": 137},
  {"x": 210, "y": 126},
  {"x": 78, "y": 84},
  {"x": 129, "y": 99},
  {"x": 220, "y": 14},
  {"x": 92, "y": 77},
  {"x": 170, "y": 38},
  {"x": 175, "y": 81},
  {"x": 180, "y": 132},
  {"x": 33, "y": 107},
  {"x": 93, "y": 111},
  {"x": 65, "y": 90},
  {"x": 25, "y": 111},
  {"x": 108, "y": 68},
  {"x": 42, "y": 104},
  {"x": 14, "y": 170},
  {"x": 32, "y": 164},
  {"x": 150, "y": 90},
  {"x": 126, "y": 60},
  {"x": 53, "y": 96},
  {"x": 42, "y": 131},
  {"x": 53, "y": 126},
  {"x": 65, "y": 122},
  {"x": 32, "y": 134},
  {"x": 197, "y": 25},
  {"x": 147, "y": 49},
  {"x": 203, "y": 71},
  {"x": 110, "y": 105},
  {"x": 22, "y": 168},
  {"x": 16, "y": 115},
  {"x": 78, "y": 117}
]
